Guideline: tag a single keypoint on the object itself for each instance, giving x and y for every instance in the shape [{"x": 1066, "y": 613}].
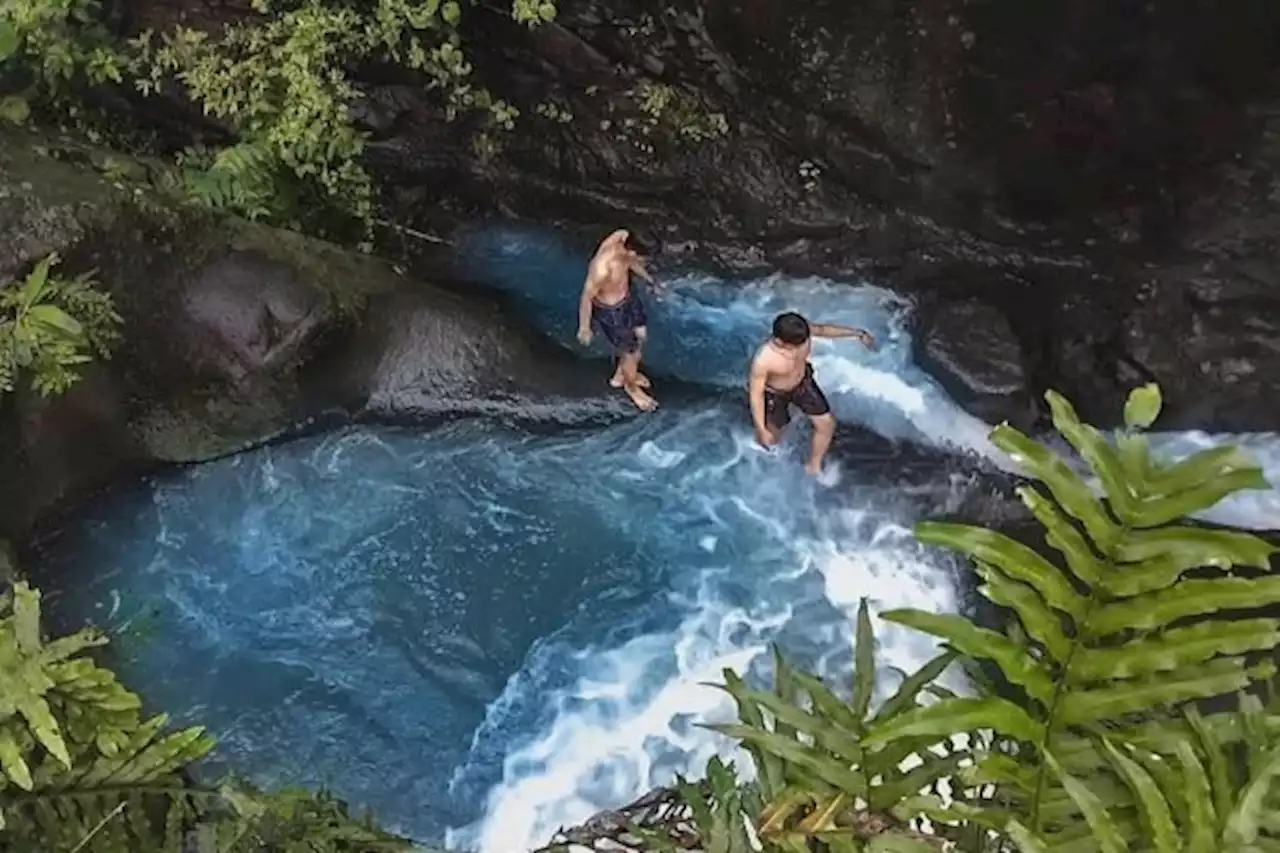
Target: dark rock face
[
  {"x": 970, "y": 347},
  {"x": 1090, "y": 170},
  {"x": 250, "y": 312},
  {"x": 233, "y": 334}
]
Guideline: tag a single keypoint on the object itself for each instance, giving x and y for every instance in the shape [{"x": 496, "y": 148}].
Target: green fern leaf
[
  {"x": 1041, "y": 623},
  {"x": 959, "y": 715},
  {"x": 1242, "y": 824},
  {"x": 1197, "y": 468},
  {"x": 904, "y": 698},
  {"x": 1092, "y": 807},
  {"x": 1012, "y": 658},
  {"x": 12, "y": 761},
  {"x": 1062, "y": 536},
  {"x": 829, "y": 770},
  {"x": 768, "y": 765},
  {"x": 1154, "y": 808},
  {"x": 1013, "y": 558},
  {"x": 825, "y": 733},
  {"x": 826, "y": 704},
  {"x": 1166, "y": 509},
  {"x": 1176, "y": 648},
  {"x": 864, "y": 670},
  {"x": 1068, "y": 490},
  {"x": 1142, "y": 406},
  {"x": 1101, "y": 457},
  {"x": 1026, "y": 841},
  {"x": 1215, "y": 678},
  {"x": 1188, "y": 598},
  {"x": 1201, "y": 818}
]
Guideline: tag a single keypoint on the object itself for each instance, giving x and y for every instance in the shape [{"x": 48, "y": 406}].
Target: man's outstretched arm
[
  {"x": 832, "y": 330},
  {"x": 636, "y": 265}
]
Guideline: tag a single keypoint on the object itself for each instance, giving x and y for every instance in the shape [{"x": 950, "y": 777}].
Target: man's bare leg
[
  {"x": 619, "y": 375},
  {"x": 629, "y": 365},
  {"x": 616, "y": 380},
  {"x": 824, "y": 429}
]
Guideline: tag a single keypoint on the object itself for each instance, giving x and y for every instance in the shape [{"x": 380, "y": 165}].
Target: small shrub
[{"x": 50, "y": 327}]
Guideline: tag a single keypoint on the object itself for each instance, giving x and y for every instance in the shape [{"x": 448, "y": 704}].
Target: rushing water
[{"x": 484, "y": 632}]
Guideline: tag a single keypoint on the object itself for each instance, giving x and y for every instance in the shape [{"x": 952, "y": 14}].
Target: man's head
[
  {"x": 635, "y": 243},
  {"x": 790, "y": 329}
]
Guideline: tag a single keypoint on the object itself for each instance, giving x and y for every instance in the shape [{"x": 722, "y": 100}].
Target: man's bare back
[{"x": 609, "y": 273}]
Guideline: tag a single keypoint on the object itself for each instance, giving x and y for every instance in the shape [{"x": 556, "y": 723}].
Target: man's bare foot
[
  {"x": 643, "y": 401},
  {"x": 641, "y": 380},
  {"x": 812, "y": 467}
]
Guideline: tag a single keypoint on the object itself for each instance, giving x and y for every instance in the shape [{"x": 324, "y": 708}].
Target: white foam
[
  {"x": 609, "y": 743},
  {"x": 1253, "y": 509}
]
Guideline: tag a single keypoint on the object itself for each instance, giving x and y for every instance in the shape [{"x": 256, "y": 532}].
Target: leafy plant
[
  {"x": 58, "y": 40},
  {"x": 74, "y": 749},
  {"x": 819, "y": 778},
  {"x": 282, "y": 81},
  {"x": 1123, "y": 633},
  {"x": 51, "y": 327},
  {"x": 1189, "y": 790},
  {"x": 1091, "y": 740},
  {"x": 81, "y": 769},
  {"x": 712, "y": 815},
  {"x": 243, "y": 178}
]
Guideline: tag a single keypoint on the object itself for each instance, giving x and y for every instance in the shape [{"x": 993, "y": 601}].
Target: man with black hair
[
  {"x": 609, "y": 305},
  {"x": 782, "y": 377}
]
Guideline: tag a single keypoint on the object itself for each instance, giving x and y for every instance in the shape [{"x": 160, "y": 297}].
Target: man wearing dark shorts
[
  {"x": 610, "y": 307},
  {"x": 782, "y": 377}
]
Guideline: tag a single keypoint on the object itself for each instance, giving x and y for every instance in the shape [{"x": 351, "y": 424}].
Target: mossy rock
[{"x": 221, "y": 319}]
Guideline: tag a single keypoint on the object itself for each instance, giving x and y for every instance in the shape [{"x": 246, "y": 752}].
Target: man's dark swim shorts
[
  {"x": 807, "y": 397},
  {"x": 618, "y": 323}
]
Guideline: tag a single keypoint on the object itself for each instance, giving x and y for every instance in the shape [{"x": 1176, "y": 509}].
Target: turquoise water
[{"x": 485, "y": 632}]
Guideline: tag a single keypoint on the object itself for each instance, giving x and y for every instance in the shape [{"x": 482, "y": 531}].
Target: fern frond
[
  {"x": 1185, "y": 799},
  {"x": 244, "y": 179},
  {"x": 1125, "y": 629},
  {"x": 821, "y": 770}
]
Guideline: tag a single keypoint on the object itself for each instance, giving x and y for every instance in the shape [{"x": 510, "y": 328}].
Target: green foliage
[
  {"x": 73, "y": 746},
  {"x": 1091, "y": 740},
  {"x": 82, "y": 770},
  {"x": 244, "y": 178},
  {"x": 717, "y": 810},
  {"x": 1123, "y": 633},
  {"x": 1194, "y": 790},
  {"x": 282, "y": 82},
  {"x": 678, "y": 114},
  {"x": 817, "y": 773},
  {"x": 58, "y": 41},
  {"x": 51, "y": 327},
  {"x": 280, "y": 79}
]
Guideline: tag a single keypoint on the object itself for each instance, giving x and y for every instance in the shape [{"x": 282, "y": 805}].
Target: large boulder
[
  {"x": 970, "y": 347},
  {"x": 234, "y": 333}
]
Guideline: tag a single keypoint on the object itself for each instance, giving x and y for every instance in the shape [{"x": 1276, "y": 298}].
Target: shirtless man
[
  {"x": 782, "y": 377},
  {"x": 610, "y": 307}
]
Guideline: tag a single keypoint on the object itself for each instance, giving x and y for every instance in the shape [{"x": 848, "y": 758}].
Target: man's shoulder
[{"x": 763, "y": 357}]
